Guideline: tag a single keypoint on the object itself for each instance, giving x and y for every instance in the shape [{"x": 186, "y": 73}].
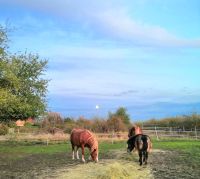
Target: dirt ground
[
  {"x": 162, "y": 164},
  {"x": 173, "y": 164}
]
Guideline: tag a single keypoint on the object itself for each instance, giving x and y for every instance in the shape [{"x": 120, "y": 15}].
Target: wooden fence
[
  {"x": 156, "y": 132},
  {"x": 153, "y": 131},
  {"x": 171, "y": 132}
]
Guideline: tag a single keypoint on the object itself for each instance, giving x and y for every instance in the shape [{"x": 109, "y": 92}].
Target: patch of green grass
[
  {"x": 189, "y": 150},
  {"x": 183, "y": 145},
  {"x": 41, "y": 148},
  {"x": 190, "y": 147},
  {"x": 106, "y": 148},
  {"x": 33, "y": 148},
  {"x": 20, "y": 149},
  {"x": 106, "y": 145}
]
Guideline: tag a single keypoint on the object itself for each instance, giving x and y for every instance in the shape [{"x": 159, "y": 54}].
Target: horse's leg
[
  {"x": 83, "y": 159},
  {"x": 140, "y": 156},
  {"x": 89, "y": 158},
  {"x": 72, "y": 152},
  {"x": 77, "y": 155},
  {"x": 146, "y": 157}
]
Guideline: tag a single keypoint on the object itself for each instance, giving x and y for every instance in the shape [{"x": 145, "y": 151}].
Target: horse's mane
[
  {"x": 92, "y": 142},
  {"x": 132, "y": 138}
]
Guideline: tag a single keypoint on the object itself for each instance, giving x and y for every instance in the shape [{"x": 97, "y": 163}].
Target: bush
[
  {"x": 11, "y": 124},
  {"x": 3, "y": 129},
  {"x": 116, "y": 124},
  {"x": 53, "y": 119}
]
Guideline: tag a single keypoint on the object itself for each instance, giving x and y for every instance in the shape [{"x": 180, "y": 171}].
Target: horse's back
[
  {"x": 142, "y": 142},
  {"x": 75, "y": 136},
  {"x": 80, "y": 136}
]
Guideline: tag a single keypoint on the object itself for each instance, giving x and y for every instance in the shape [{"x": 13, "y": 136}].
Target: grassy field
[{"x": 169, "y": 159}]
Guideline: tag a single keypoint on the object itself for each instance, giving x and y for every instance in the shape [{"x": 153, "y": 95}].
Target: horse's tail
[
  {"x": 150, "y": 145},
  {"x": 139, "y": 142},
  {"x": 71, "y": 135},
  {"x": 144, "y": 139},
  {"x": 147, "y": 144}
]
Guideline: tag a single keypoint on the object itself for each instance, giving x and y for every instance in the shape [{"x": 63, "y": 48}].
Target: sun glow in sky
[{"x": 140, "y": 54}]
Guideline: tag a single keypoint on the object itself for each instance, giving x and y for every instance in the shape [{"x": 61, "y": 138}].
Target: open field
[{"x": 169, "y": 159}]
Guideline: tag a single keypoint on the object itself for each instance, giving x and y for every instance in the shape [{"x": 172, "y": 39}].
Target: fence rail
[
  {"x": 155, "y": 132},
  {"x": 171, "y": 132},
  {"x": 158, "y": 133}
]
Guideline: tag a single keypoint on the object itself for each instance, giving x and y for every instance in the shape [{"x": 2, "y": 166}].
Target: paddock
[{"x": 175, "y": 158}]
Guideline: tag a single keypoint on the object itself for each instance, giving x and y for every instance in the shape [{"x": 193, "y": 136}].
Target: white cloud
[{"x": 108, "y": 19}]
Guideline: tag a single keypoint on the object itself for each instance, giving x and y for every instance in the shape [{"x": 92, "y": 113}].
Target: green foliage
[
  {"x": 116, "y": 124},
  {"x": 69, "y": 124},
  {"x": 84, "y": 123},
  {"x": 11, "y": 124},
  {"x": 121, "y": 113},
  {"x": 3, "y": 41},
  {"x": 184, "y": 122},
  {"x": 22, "y": 88},
  {"x": 68, "y": 120},
  {"x": 100, "y": 125},
  {"x": 28, "y": 125},
  {"x": 52, "y": 123},
  {"x": 3, "y": 129}
]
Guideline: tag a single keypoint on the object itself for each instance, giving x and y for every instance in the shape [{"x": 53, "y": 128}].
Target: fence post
[
  {"x": 196, "y": 132},
  {"x": 47, "y": 142},
  {"x": 171, "y": 133},
  {"x": 156, "y": 133},
  {"x": 113, "y": 137}
]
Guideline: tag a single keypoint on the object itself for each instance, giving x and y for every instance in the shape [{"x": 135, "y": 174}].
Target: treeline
[
  {"x": 115, "y": 122},
  {"x": 53, "y": 122},
  {"x": 186, "y": 122}
]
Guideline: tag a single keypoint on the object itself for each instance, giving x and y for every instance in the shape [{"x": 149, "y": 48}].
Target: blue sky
[{"x": 143, "y": 55}]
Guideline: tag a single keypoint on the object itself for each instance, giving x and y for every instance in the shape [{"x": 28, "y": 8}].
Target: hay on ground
[{"x": 110, "y": 169}]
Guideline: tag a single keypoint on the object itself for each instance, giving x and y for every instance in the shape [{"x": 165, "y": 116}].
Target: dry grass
[
  {"x": 60, "y": 137},
  {"x": 121, "y": 166},
  {"x": 108, "y": 169},
  {"x": 35, "y": 137}
]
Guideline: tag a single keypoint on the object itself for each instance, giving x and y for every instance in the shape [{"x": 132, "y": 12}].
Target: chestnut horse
[
  {"x": 81, "y": 138},
  {"x": 134, "y": 131}
]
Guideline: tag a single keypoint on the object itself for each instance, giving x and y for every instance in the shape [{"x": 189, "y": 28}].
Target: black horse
[{"x": 143, "y": 144}]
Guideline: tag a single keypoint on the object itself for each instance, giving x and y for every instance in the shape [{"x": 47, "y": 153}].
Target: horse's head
[
  {"x": 131, "y": 132},
  {"x": 134, "y": 130},
  {"x": 94, "y": 154},
  {"x": 130, "y": 144},
  {"x": 138, "y": 130}
]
